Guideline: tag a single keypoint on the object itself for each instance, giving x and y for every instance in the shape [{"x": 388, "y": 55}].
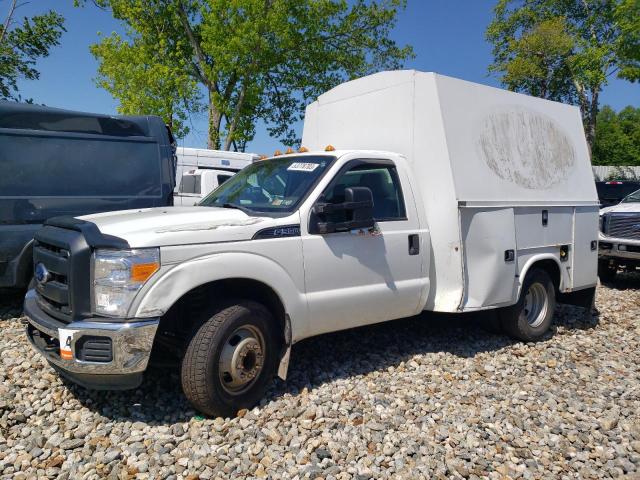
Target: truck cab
[
  {"x": 196, "y": 184},
  {"x": 199, "y": 171}
]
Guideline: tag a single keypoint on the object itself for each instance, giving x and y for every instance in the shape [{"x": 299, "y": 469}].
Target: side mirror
[{"x": 357, "y": 211}]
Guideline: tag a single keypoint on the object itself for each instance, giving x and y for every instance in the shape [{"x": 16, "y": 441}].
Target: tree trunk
[
  {"x": 236, "y": 116},
  {"x": 592, "y": 119},
  {"x": 215, "y": 118},
  {"x": 585, "y": 111}
]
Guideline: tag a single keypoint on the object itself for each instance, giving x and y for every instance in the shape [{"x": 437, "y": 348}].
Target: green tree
[
  {"x": 566, "y": 50},
  {"x": 243, "y": 59},
  {"x": 617, "y": 139},
  {"x": 22, "y": 43},
  {"x": 150, "y": 73}
]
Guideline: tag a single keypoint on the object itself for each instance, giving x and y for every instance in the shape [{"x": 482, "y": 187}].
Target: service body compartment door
[
  {"x": 585, "y": 258},
  {"x": 488, "y": 234}
]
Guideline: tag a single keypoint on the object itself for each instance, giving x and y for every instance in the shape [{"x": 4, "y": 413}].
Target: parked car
[
  {"x": 441, "y": 200},
  {"x": 619, "y": 237},
  {"x": 612, "y": 192},
  {"x": 200, "y": 171},
  {"x": 57, "y": 162}
]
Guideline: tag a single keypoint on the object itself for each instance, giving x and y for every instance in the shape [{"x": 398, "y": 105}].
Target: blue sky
[{"x": 447, "y": 36}]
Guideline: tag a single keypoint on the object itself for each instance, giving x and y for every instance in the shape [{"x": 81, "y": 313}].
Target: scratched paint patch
[
  {"x": 525, "y": 148},
  {"x": 211, "y": 225}
]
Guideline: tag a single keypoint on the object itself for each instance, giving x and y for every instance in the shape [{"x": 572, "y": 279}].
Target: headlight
[{"x": 118, "y": 275}]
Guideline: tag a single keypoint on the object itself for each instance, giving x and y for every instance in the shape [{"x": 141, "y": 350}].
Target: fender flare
[
  {"x": 564, "y": 276},
  {"x": 176, "y": 280}
]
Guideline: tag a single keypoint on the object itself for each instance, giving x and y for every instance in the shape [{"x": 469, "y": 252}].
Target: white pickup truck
[
  {"x": 197, "y": 184},
  {"x": 619, "y": 237},
  {"x": 445, "y": 196},
  {"x": 200, "y": 171}
]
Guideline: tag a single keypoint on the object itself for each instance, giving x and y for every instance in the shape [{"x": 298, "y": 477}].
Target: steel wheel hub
[
  {"x": 536, "y": 304},
  {"x": 241, "y": 359}
]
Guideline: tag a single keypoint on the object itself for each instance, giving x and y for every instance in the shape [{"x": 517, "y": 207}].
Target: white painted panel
[
  {"x": 530, "y": 232},
  {"x": 487, "y": 234},
  {"x": 585, "y": 260}
]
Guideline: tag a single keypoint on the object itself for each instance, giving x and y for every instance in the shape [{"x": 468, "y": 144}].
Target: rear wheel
[
  {"x": 230, "y": 360},
  {"x": 606, "y": 271},
  {"x": 530, "y": 318}
]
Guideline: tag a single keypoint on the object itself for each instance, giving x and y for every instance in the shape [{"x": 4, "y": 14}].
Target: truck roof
[
  {"x": 334, "y": 153},
  {"x": 206, "y": 153}
]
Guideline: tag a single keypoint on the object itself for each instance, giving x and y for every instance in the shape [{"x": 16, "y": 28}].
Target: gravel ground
[{"x": 429, "y": 397}]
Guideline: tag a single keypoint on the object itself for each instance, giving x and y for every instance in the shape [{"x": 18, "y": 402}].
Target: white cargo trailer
[{"x": 443, "y": 195}]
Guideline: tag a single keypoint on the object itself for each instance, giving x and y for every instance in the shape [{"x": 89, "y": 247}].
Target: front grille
[
  {"x": 94, "y": 349},
  {"x": 622, "y": 225},
  {"x": 53, "y": 295},
  {"x": 65, "y": 256}
]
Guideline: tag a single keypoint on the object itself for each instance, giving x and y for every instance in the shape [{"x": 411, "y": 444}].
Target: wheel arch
[
  {"x": 209, "y": 297},
  {"x": 550, "y": 264},
  {"x": 172, "y": 282},
  {"x": 193, "y": 288}
]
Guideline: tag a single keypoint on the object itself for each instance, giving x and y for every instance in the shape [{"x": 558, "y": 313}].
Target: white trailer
[{"x": 444, "y": 196}]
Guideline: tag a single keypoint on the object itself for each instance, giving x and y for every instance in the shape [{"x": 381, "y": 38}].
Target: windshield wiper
[{"x": 246, "y": 210}]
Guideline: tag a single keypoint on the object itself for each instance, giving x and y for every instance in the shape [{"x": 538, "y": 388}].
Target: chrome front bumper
[
  {"x": 131, "y": 343},
  {"x": 623, "y": 248}
]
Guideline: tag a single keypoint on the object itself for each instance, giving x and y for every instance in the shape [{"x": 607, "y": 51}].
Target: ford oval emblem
[{"x": 42, "y": 274}]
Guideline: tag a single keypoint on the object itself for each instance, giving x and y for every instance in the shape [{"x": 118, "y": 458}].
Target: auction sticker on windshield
[{"x": 302, "y": 167}]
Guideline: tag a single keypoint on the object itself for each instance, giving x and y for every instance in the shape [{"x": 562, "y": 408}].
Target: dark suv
[{"x": 58, "y": 162}]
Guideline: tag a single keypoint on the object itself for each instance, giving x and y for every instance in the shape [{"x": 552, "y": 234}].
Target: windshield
[
  {"x": 275, "y": 185},
  {"x": 633, "y": 198}
]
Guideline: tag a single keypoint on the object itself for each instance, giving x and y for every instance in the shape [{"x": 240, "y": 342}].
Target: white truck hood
[
  {"x": 157, "y": 227},
  {"x": 622, "y": 208}
]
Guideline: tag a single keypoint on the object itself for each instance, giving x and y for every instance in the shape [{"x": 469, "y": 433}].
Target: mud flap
[
  {"x": 585, "y": 298},
  {"x": 285, "y": 354}
]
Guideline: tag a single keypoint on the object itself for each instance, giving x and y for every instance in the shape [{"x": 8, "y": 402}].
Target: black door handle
[{"x": 414, "y": 244}]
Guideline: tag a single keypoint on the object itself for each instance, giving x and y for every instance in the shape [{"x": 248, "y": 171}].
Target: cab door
[{"x": 356, "y": 278}]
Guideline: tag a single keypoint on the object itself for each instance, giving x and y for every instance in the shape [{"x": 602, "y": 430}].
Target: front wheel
[
  {"x": 530, "y": 318},
  {"x": 230, "y": 360}
]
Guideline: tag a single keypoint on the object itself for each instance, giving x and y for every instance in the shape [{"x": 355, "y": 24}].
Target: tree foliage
[
  {"x": 566, "y": 50},
  {"x": 22, "y": 43},
  {"x": 243, "y": 59},
  {"x": 149, "y": 72},
  {"x": 617, "y": 137}
]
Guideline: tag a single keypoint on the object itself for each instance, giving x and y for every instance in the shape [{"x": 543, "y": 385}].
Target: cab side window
[{"x": 384, "y": 184}]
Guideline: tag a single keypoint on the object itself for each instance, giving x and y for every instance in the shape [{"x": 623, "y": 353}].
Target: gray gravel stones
[{"x": 431, "y": 397}]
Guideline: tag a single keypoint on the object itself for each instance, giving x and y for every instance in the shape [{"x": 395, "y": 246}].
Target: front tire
[
  {"x": 230, "y": 360},
  {"x": 531, "y": 317}
]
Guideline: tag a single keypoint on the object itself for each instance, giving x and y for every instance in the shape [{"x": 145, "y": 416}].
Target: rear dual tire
[{"x": 531, "y": 317}]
